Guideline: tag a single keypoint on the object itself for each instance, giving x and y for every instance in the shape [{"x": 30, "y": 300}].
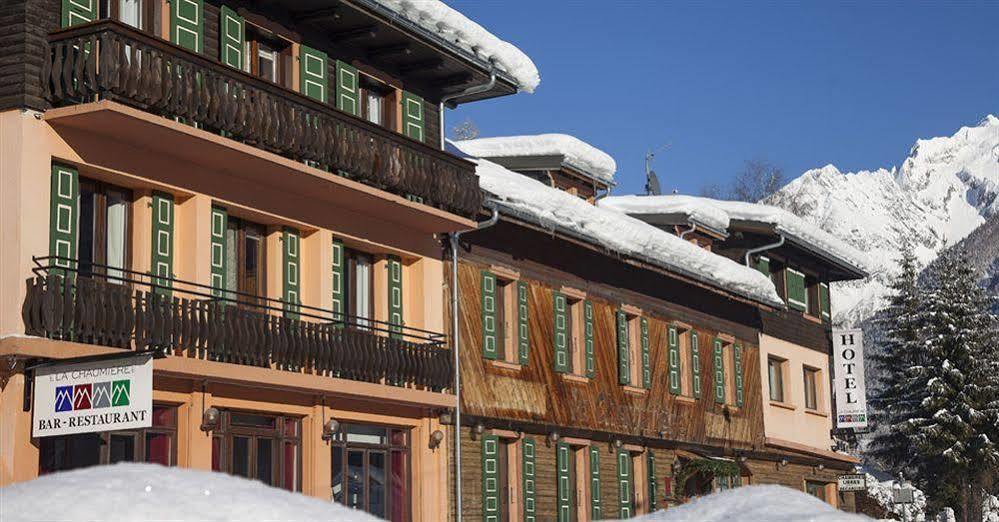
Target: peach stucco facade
[{"x": 789, "y": 422}]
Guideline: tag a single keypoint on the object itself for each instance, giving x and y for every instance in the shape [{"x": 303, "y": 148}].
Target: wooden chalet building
[
  {"x": 255, "y": 192},
  {"x": 602, "y": 376}
]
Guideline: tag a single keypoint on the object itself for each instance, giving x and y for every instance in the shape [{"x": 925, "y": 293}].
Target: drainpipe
[
  {"x": 693, "y": 227},
  {"x": 453, "y": 238},
  {"x": 446, "y": 101},
  {"x": 753, "y": 251}
]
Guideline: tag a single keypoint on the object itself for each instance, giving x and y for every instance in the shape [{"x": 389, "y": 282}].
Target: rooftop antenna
[{"x": 652, "y": 187}]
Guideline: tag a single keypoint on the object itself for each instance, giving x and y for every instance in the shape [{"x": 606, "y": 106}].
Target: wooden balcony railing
[
  {"x": 104, "y": 306},
  {"x": 110, "y": 60}
]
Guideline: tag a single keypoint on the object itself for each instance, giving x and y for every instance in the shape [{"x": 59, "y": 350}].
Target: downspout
[
  {"x": 453, "y": 238},
  {"x": 446, "y": 101},
  {"x": 753, "y": 251},
  {"x": 693, "y": 228}
]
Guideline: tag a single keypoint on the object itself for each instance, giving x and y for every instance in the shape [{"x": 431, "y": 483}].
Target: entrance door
[{"x": 371, "y": 470}]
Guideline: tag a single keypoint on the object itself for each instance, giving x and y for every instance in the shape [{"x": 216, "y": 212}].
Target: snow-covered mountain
[{"x": 945, "y": 189}]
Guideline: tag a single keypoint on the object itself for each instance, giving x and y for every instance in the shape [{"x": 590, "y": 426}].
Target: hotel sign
[
  {"x": 101, "y": 395},
  {"x": 848, "y": 366}
]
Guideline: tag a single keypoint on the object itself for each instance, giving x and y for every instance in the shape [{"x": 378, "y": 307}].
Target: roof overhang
[{"x": 839, "y": 269}]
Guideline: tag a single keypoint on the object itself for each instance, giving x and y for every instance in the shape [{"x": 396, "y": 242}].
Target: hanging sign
[
  {"x": 848, "y": 368},
  {"x": 853, "y": 482},
  {"x": 99, "y": 395}
]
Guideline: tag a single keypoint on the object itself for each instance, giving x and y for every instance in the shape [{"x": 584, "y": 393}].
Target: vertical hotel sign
[
  {"x": 103, "y": 395},
  {"x": 851, "y": 393}
]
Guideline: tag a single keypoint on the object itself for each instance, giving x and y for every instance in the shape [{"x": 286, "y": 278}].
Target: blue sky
[{"x": 799, "y": 84}]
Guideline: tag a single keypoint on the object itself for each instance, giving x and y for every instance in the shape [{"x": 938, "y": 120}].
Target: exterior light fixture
[
  {"x": 618, "y": 443},
  {"x": 330, "y": 429},
  {"x": 742, "y": 458},
  {"x": 446, "y": 418},
  {"x": 210, "y": 419},
  {"x": 478, "y": 429},
  {"x": 820, "y": 467},
  {"x": 552, "y": 437},
  {"x": 436, "y": 438},
  {"x": 782, "y": 463}
]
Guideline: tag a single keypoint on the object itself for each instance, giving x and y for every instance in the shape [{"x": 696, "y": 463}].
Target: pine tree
[
  {"x": 894, "y": 400},
  {"x": 952, "y": 430}
]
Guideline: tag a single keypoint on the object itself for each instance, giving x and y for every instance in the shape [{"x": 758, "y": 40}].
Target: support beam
[
  {"x": 389, "y": 50},
  {"x": 318, "y": 15},
  {"x": 424, "y": 65},
  {"x": 367, "y": 31},
  {"x": 453, "y": 79}
]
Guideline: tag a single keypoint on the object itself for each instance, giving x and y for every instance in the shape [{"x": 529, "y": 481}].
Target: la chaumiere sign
[
  {"x": 848, "y": 367},
  {"x": 100, "y": 395}
]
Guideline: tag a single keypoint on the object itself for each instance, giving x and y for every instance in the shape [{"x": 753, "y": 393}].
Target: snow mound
[
  {"x": 754, "y": 504},
  {"x": 554, "y": 209},
  {"x": 693, "y": 207},
  {"x": 141, "y": 492},
  {"x": 575, "y": 152},
  {"x": 437, "y": 18}
]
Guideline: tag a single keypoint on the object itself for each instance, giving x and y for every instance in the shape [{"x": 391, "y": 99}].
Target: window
[
  {"x": 359, "y": 284},
  {"x": 812, "y": 296},
  {"x": 724, "y": 482},
  {"x": 371, "y": 470},
  {"x": 501, "y": 313},
  {"x": 633, "y": 349},
  {"x": 246, "y": 249},
  {"x": 104, "y": 229},
  {"x": 267, "y": 56},
  {"x": 139, "y": 14},
  {"x": 811, "y": 388},
  {"x": 257, "y": 446},
  {"x": 376, "y": 105},
  {"x": 775, "y": 373},
  {"x": 156, "y": 444},
  {"x": 576, "y": 339},
  {"x": 797, "y": 294},
  {"x": 816, "y": 489}
]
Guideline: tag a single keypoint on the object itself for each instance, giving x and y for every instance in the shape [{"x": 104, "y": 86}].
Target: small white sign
[
  {"x": 852, "y": 482},
  {"x": 851, "y": 391},
  {"x": 104, "y": 395}
]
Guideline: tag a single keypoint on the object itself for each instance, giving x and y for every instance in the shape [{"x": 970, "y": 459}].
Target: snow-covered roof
[
  {"x": 794, "y": 228},
  {"x": 691, "y": 208},
  {"x": 446, "y": 23},
  {"x": 752, "y": 504},
  {"x": 554, "y": 209},
  {"x": 575, "y": 152},
  {"x": 153, "y": 492}
]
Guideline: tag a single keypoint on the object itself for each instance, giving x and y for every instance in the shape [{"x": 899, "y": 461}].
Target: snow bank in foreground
[
  {"x": 881, "y": 492},
  {"x": 754, "y": 504},
  {"x": 144, "y": 492},
  {"x": 554, "y": 209},
  {"x": 576, "y": 152},
  {"x": 437, "y": 18},
  {"x": 707, "y": 215}
]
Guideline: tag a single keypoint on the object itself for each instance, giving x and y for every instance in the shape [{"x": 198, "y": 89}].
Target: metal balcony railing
[
  {"x": 110, "y": 60},
  {"x": 102, "y": 305}
]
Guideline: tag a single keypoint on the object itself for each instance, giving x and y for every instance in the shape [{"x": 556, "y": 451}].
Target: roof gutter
[
  {"x": 693, "y": 228},
  {"x": 451, "y": 100},
  {"x": 753, "y": 251},
  {"x": 453, "y": 239}
]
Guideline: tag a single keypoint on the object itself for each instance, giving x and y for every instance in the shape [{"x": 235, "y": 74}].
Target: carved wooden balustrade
[
  {"x": 127, "y": 311},
  {"x": 109, "y": 60}
]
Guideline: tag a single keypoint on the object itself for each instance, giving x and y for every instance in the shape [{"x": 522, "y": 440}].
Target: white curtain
[
  {"x": 130, "y": 12},
  {"x": 374, "y": 108},
  {"x": 116, "y": 235},
  {"x": 362, "y": 304}
]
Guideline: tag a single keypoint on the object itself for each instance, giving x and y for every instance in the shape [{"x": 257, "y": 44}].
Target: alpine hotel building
[{"x": 258, "y": 194}]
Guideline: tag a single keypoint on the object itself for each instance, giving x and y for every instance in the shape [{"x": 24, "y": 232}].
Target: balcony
[
  {"x": 107, "y": 60},
  {"x": 105, "y": 306}
]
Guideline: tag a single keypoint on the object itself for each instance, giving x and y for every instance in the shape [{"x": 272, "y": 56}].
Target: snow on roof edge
[
  {"x": 575, "y": 152},
  {"x": 690, "y": 206},
  {"x": 556, "y": 210}
]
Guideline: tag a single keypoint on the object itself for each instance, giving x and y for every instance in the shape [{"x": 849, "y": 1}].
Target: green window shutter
[
  {"x": 412, "y": 116},
  {"x": 490, "y": 348},
  {"x": 595, "y": 504},
  {"x": 161, "y": 260},
  {"x": 623, "y": 349},
  {"x": 76, "y": 12},
  {"x": 339, "y": 279},
  {"x": 394, "y": 267},
  {"x": 523, "y": 324},
  {"x": 220, "y": 220},
  {"x": 763, "y": 265},
  {"x": 797, "y": 297},
  {"x": 673, "y": 356},
  {"x": 591, "y": 364},
  {"x": 231, "y": 38},
  {"x": 530, "y": 510},
  {"x": 565, "y": 487},
  {"x": 64, "y": 212},
  {"x": 824, "y": 307},
  {"x": 490, "y": 478},
  {"x": 650, "y": 468},
  {"x": 625, "y": 509},
  {"x": 313, "y": 74},
  {"x": 292, "y": 272},
  {"x": 695, "y": 365},
  {"x": 719, "y": 366},
  {"x": 348, "y": 98},
  {"x": 737, "y": 367},
  {"x": 561, "y": 334},
  {"x": 646, "y": 363},
  {"x": 187, "y": 27}
]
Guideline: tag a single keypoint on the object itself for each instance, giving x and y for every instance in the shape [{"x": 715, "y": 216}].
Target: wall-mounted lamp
[
  {"x": 478, "y": 430},
  {"x": 782, "y": 463},
  {"x": 553, "y": 438},
  {"x": 742, "y": 459},
  {"x": 210, "y": 419},
  {"x": 446, "y": 418},
  {"x": 618, "y": 443},
  {"x": 436, "y": 438},
  {"x": 330, "y": 429},
  {"x": 820, "y": 467}
]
